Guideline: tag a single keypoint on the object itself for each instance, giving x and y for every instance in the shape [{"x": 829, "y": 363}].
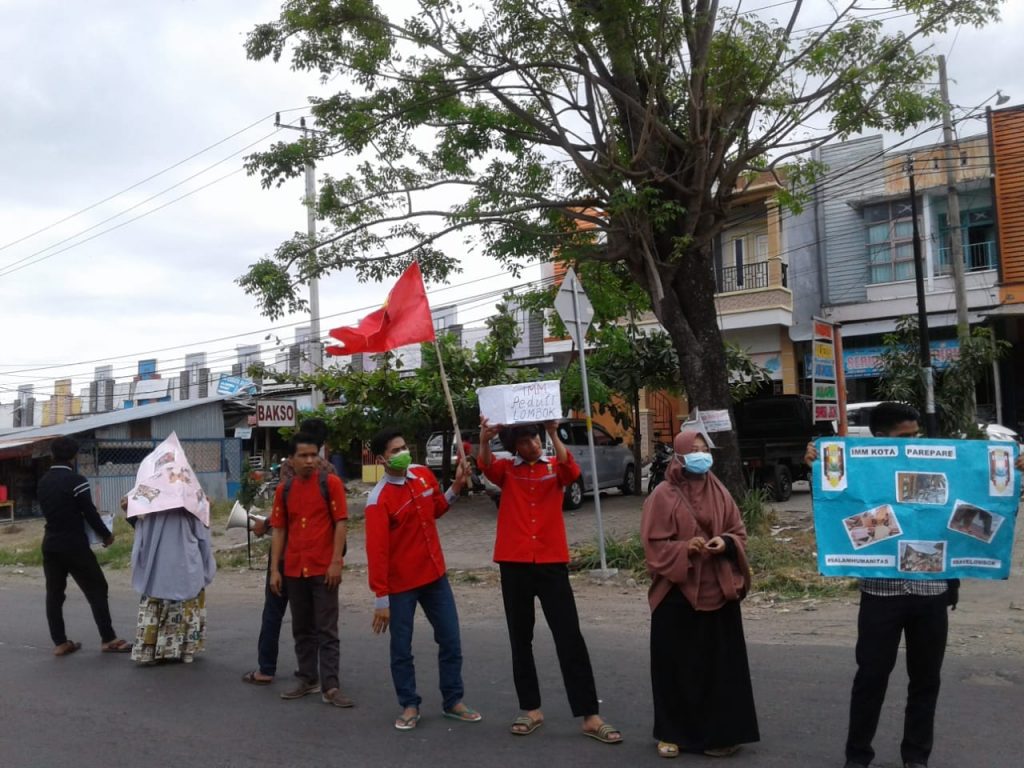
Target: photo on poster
[
  {"x": 972, "y": 520},
  {"x": 922, "y": 488},
  {"x": 922, "y": 556},
  {"x": 833, "y": 467},
  {"x": 870, "y": 527},
  {"x": 1000, "y": 470}
]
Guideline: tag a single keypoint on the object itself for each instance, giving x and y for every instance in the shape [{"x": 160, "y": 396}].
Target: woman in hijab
[
  {"x": 695, "y": 545},
  {"x": 172, "y": 561}
]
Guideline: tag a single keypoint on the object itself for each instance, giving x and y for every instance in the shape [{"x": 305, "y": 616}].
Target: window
[
  {"x": 601, "y": 438},
  {"x": 761, "y": 246},
  {"x": 977, "y": 234},
  {"x": 890, "y": 244}
]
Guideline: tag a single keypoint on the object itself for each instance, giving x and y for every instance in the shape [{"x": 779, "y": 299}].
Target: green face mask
[{"x": 400, "y": 461}]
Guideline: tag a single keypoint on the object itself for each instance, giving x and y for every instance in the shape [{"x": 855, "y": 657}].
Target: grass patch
[
  {"x": 626, "y": 554},
  {"x": 783, "y": 568},
  {"x": 788, "y": 569},
  {"x": 757, "y": 512},
  {"x": 117, "y": 555}
]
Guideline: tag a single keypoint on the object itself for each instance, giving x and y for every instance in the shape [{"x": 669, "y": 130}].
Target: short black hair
[
  {"x": 379, "y": 442},
  {"x": 315, "y": 429},
  {"x": 509, "y": 436},
  {"x": 885, "y": 416},
  {"x": 64, "y": 449},
  {"x": 301, "y": 438}
]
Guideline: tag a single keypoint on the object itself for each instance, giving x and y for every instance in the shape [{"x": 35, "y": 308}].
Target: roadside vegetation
[{"x": 783, "y": 561}]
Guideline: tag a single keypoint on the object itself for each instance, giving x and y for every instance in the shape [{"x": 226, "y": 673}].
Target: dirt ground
[{"x": 988, "y": 622}]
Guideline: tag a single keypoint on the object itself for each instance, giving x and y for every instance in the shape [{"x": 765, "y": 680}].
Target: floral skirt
[{"x": 170, "y": 630}]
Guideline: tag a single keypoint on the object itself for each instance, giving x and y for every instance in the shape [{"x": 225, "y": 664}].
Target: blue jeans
[
  {"x": 439, "y": 606},
  {"x": 274, "y": 607}
]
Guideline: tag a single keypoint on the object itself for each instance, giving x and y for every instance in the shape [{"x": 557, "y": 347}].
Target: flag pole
[
  {"x": 447, "y": 391},
  {"x": 448, "y": 398}
]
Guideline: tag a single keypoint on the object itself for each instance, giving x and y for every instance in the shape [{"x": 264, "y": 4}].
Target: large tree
[{"x": 530, "y": 125}]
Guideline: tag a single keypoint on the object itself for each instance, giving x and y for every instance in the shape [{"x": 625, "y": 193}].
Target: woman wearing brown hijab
[{"x": 695, "y": 541}]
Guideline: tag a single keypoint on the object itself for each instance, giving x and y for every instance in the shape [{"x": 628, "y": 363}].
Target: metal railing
[
  {"x": 752, "y": 276},
  {"x": 977, "y": 257}
]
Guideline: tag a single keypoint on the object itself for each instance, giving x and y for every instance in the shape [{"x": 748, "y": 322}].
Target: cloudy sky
[{"x": 100, "y": 96}]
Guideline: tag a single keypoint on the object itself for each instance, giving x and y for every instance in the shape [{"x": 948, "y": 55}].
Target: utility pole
[
  {"x": 956, "y": 246},
  {"x": 315, "y": 346},
  {"x": 931, "y": 422}
]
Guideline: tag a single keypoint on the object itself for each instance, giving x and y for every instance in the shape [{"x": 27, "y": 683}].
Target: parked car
[
  {"x": 434, "y": 456},
  {"x": 615, "y": 465},
  {"x": 858, "y": 418}
]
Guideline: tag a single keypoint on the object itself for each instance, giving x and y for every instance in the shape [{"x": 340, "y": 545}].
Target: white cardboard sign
[{"x": 521, "y": 403}]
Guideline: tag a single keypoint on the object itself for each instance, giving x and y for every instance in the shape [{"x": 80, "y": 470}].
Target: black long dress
[{"x": 700, "y": 676}]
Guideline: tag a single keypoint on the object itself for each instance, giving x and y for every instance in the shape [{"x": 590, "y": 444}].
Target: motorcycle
[{"x": 659, "y": 465}]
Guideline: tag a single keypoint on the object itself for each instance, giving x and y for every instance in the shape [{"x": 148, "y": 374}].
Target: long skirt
[
  {"x": 700, "y": 676},
  {"x": 170, "y": 630}
]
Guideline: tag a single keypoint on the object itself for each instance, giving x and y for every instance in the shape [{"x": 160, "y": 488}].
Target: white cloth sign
[
  {"x": 165, "y": 480},
  {"x": 521, "y": 403}
]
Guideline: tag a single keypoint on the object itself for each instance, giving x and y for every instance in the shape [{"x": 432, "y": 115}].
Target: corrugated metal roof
[{"x": 100, "y": 420}]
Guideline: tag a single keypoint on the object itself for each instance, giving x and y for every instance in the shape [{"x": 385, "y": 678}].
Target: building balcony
[
  {"x": 977, "y": 257},
  {"x": 752, "y": 277}
]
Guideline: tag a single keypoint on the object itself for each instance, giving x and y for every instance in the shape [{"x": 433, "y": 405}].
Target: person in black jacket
[{"x": 67, "y": 506}]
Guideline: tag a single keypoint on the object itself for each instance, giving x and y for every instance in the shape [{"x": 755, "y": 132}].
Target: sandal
[
  {"x": 466, "y": 714},
  {"x": 604, "y": 734},
  {"x": 524, "y": 725},
  {"x": 66, "y": 648},
  {"x": 116, "y": 646},
  {"x": 250, "y": 677},
  {"x": 407, "y": 723},
  {"x": 668, "y": 749}
]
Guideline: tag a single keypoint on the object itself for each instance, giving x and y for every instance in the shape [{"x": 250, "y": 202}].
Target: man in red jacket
[
  {"x": 533, "y": 556},
  {"x": 406, "y": 567}
]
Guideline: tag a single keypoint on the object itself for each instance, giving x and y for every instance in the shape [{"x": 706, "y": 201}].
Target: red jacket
[
  {"x": 530, "y": 524},
  {"x": 403, "y": 550}
]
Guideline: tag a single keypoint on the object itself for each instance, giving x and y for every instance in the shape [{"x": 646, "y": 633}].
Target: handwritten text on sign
[{"x": 519, "y": 403}]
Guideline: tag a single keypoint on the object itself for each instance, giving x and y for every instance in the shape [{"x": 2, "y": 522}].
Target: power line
[{"x": 149, "y": 178}]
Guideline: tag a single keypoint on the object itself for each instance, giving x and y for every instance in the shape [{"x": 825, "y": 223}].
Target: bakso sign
[{"x": 275, "y": 413}]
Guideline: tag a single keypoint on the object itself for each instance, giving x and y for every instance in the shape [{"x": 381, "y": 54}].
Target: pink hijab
[{"x": 687, "y": 506}]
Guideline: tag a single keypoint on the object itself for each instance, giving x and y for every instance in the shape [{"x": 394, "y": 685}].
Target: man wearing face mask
[{"x": 406, "y": 568}]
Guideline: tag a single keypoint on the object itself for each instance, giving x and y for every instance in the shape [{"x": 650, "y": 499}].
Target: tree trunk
[{"x": 689, "y": 316}]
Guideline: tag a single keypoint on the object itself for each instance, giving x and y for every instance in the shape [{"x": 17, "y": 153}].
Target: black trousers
[
  {"x": 881, "y": 621},
  {"x": 520, "y": 584},
  {"x": 315, "y": 629},
  {"x": 81, "y": 565}
]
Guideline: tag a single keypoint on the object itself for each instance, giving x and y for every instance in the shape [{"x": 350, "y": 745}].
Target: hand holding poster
[
  {"x": 530, "y": 401},
  {"x": 915, "y": 509}
]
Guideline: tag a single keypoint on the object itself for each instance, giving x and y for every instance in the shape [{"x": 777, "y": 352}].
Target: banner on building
[{"x": 915, "y": 509}]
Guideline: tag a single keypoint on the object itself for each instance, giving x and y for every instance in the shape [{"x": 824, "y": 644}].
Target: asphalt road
[{"x": 91, "y": 710}]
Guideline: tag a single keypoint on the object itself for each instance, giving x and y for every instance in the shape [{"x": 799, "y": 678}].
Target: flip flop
[
  {"x": 524, "y": 725},
  {"x": 66, "y": 648},
  {"x": 250, "y": 677},
  {"x": 604, "y": 733},
  {"x": 668, "y": 749},
  {"x": 116, "y": 646},
  {"x": 407, "y": 723},
  {"x": 467, "y": 715}
]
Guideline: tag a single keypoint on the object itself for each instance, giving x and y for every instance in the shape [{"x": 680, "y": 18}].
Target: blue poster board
[{"x": 915, "y": 509}]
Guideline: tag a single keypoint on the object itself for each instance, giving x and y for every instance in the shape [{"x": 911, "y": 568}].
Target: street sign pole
[{"x": 578, "y": 321}]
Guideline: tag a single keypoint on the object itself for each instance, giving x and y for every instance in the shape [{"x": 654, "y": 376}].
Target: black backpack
[{"x": 322, "y": 476}]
